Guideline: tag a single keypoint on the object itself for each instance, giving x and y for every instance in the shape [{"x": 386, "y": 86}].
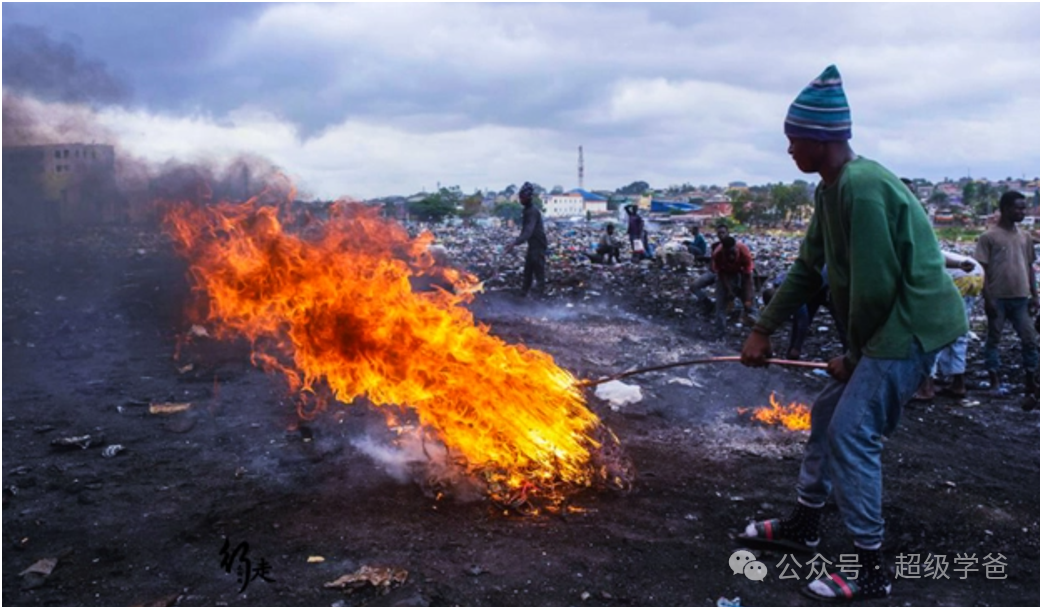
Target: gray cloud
[
  {"x": 670, "y": 92},
  {"x": 56, "y": 71}
]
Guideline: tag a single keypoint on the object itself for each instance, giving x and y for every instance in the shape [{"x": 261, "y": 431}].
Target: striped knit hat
[{"x": 821, "y": 111}]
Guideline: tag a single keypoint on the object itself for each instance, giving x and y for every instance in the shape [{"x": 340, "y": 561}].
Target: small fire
[
  {"x": 795, "y": 416},
  {"x": 329, "y": 304}
]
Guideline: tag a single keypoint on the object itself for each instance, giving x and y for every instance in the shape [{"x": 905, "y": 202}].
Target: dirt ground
[{"x": 91, "y": 322}]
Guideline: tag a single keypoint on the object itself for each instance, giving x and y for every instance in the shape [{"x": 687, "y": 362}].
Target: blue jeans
[
  {"x": 952, "y": 359},
  {"x": 1016, "y": 311},
  {"x": 847, "y": 425}
]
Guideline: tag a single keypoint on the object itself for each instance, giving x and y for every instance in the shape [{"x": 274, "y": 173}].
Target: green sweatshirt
[{"x": 885, "y": 269}]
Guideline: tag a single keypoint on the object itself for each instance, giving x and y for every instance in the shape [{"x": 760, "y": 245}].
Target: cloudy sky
[{"x": 366, "y": 100}]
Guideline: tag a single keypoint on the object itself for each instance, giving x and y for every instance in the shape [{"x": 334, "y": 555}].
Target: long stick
[{"x": 692, "y": 362}]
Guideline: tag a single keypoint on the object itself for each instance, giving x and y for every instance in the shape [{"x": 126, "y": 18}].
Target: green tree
[
  {"x": 434, "y": 207},
  {"x": 970, "y": 194},
  {"x": 471, "y": 205},
  {"x": 636, "y": 188},
  {"x": 508, "y": 211},
  {"x": 938, "y": 197}
]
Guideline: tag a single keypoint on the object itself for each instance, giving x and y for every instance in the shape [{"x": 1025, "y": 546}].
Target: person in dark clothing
[
  {"x": 533, "y": 234},
  {"x": 804, "y": 317},
  {"x": 637, "y": 235},
  {"x": 608, "y": 249},
  {"x": 697, "y": 246}
]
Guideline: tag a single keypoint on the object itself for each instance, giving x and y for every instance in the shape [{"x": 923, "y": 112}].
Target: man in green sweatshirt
[{"x": 891, "y": 292}]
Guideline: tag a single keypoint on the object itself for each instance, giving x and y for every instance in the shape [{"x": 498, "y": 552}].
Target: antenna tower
[{"x": 580, "y": 167}]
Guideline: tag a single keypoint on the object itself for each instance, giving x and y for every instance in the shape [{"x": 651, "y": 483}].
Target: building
[
  {"x": 61, "y": 185},
  {"x": 564, "y": 205},
  {"x": 593, "y": 203}
]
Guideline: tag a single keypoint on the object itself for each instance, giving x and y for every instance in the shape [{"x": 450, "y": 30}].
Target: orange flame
[
  {"x": 330, "y": 305},
  {"x": 795, "y": 416}
]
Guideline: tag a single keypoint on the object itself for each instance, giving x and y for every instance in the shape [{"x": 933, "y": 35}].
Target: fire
[
  {"x": 795, "y": 416},
  {"x": 329, "y": 304}
]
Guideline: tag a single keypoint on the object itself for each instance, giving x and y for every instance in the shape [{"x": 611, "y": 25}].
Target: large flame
[
  {"x": 795, "y": 416},
  {"x": 329, "y": 303}
]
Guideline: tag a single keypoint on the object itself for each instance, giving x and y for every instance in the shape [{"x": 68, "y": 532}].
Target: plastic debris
[
  {"x": 618, "y": 393},
  {"x": 724, "y": 602},
  {"x": 379, "y": 577},
  {"x": 112, "y": 450},
  {"x": 168, "y": 407}
]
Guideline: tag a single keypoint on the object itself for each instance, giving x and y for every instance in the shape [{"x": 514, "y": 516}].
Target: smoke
[
  {"x": 410, "y": 456},
  {"x": 48, "y": 70},
  {"x": 54, "y": 95},
  {"x": 28, "y": 121}
]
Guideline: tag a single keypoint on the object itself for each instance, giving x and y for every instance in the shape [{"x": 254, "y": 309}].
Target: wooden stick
[{"x": 692, "y": 362}]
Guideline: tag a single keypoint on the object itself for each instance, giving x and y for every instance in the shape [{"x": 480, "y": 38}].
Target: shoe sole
[
  {"x": 760, "y": 543},
  {"x": 837, "y": 600}
]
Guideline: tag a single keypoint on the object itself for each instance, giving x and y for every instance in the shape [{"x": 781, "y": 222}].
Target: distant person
[
  {"x": 968, "y": 276},
  {"x": 733, "y": 264},
  {"x": 635, "y": 232},
  {"x": 533, "y": 234},
  {"x": 1032, "y": 402},
  {"x": 1010, "y": 293},
  {"x": 708, "y": 278},
  {"x": 697, "y": 246},
  {"x": 609, "y": 248},
  {"x": 889, "y": 288},
  {"x": 804, "y": 317}
]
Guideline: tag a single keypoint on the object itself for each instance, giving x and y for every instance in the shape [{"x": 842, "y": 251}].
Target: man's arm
[
  {"x": 1030, "y": 259},
  {"x": 875, "y": 267},
  {"x": 982, "y": 253},
  {"x": 528, "y": 229},
  {"x": 802, "y": 280}
]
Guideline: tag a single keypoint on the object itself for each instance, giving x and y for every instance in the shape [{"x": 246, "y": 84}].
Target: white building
[{"x": 564, "y": 206}]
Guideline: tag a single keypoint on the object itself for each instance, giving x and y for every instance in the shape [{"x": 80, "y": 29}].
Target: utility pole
[{"x": 580, "y": 167}]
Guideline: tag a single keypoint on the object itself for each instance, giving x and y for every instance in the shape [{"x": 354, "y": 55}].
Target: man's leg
[
  {"x": 1025, "y": 328},
  {"x": 539, "y": 271},
  {"x": 868, "y": 410},
  {"x": 996, "y": 320},
  {"x": 701, "y": 283},
  {"x": 526, "y": 282},
  {"x": 800, "y": 328},
  {"x": 799, "y": 530},
  {"x": 724, "y": 298}
]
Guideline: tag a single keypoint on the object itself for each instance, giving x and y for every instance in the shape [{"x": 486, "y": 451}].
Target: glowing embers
[{"x": 795, "y": 416}]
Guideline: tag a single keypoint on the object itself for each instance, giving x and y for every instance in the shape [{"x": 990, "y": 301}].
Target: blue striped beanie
[{"x": 820, "y": 112}]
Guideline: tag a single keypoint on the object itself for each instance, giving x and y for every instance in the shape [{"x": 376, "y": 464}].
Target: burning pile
[
  {"x": 330, "y": 305},
  {"x": 795, "y": 416}
]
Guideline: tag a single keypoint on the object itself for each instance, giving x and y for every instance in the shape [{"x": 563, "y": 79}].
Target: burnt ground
[{"x": 91, "y": 323}]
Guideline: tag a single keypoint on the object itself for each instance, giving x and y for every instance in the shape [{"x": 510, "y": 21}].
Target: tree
[
  {"x": 434, "y": 207},
  {"x": 969, "y": 195},
  {"x": 471, "y": 205},
  {"x": 938, "y": 197},
  {"x": 789, "y": 202},
  {"x": 557, "y": 190},
  {"x": 636, "y": 188},
  {"x": 508, "y": 211}
]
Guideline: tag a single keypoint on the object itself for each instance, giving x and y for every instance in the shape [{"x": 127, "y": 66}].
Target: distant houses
[{"x": 575, "y": 203}]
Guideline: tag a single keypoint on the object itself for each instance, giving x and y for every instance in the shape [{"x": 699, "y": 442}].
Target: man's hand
[
  {"x": 509, "y": 248},
  {"x": 840, "y": 369},
  {"x": 757, "y": 350}
]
